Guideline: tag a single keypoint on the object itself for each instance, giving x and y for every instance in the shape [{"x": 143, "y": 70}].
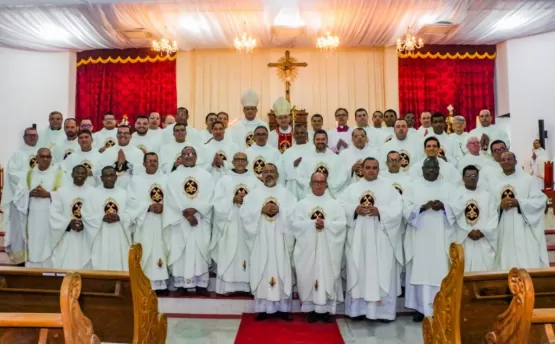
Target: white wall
[
  {"x": 530, "y": 80},
  {"x": 32, "y": 84}
]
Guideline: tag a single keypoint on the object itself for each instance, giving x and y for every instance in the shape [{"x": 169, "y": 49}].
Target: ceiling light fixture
[
  {"x": 244, "y": 43},
  {"x": 327, "y": 43},
  {"x": 409, "y": 43},
  {"x": 164, "y": 46}
]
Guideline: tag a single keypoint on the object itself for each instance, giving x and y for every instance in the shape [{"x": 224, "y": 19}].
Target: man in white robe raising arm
[
  {"x": 521, "y": 239},
  {"x": 146, "y": 205},
  {"x": 430, "y": 219},
  {"x": 265, "y": 215},
  {"x": 110, "y": 250},
  {"x": 229, "y": 246},
  {"x": 477, "y": 218},
  {"x": 373, "y": 208},
  {"x": 73, "y": 223},
  {"x": 187, "y": 222},
  {"x": 318, "y": 224}
]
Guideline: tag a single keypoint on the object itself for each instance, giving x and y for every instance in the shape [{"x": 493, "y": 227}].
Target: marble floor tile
[
  {"x": 401, "y": 331},
  {"x": 202, "y": 331}
]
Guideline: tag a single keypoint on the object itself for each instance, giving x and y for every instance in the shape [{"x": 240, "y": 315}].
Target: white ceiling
[{"x": 55, "y": 25}]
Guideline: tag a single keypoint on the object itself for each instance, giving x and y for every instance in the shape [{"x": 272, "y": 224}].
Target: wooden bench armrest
[
  {"x": 50, "y": 320},
  {"x": 543, "y": 315}
]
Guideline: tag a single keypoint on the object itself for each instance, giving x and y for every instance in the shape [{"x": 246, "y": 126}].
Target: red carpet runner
[{"x": 276, "y": 331}]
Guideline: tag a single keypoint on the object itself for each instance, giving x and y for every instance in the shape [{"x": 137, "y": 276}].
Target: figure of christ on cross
[{"x": 287, "y": 70}]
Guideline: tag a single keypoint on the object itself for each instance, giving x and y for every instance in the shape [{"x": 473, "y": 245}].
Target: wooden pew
[
  {"x": 121, "y": 306},
  {"x": 468, "y": 305},
  {"x": 45, "y": 327}
]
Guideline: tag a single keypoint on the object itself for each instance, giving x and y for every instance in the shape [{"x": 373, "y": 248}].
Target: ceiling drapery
[{"x": 215, "y": 23}]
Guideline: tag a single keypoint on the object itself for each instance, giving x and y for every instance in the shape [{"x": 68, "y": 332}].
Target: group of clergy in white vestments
[{"x": 347, "y": 215}]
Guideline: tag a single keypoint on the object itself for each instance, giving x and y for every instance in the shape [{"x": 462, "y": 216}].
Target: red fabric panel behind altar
[
  {"x": 132, "y": 88},
  {"x": 434, "y": 84}
]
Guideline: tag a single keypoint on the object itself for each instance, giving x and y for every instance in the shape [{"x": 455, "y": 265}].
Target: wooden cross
[{"x": 287, "y": 70}]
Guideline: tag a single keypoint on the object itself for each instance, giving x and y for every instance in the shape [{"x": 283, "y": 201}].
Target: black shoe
[
  {"x": 285, "y": 316},
  {"x": 326, "y": 317},
  {"x": 162, "y": 292},
  {"x": 260, "y": 316},
  {"x": 418, "y": 317},
  {"x": 312, "y": 317},
  {"x": 359, "y": 318},
  {"x": 385, "y": 321},
  {"x": 181, "y": 291},
  {"x": 202, "y": 291}
]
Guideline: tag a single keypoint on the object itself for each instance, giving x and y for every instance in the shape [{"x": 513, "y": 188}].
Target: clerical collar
[
  {"x": 287, "y": 131},
  {"x": 342, "y": 128}
]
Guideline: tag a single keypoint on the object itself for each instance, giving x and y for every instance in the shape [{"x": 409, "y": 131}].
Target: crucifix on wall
[{"x": 287, "y": 69}]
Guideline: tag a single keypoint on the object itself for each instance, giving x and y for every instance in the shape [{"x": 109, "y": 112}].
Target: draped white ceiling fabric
[
  {"x": 213, "y": 81},
  {"x": 203, "y": 24}
]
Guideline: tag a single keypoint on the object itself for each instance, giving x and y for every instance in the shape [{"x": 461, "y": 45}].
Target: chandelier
[
  {"x": 163, "y": 46},
  {"x": 328, "y": 43},
  {"x": 245, "y": 43},
  {"x": 409, "y": 44}
]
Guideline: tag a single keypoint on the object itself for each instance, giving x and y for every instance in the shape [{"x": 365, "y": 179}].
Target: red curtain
[
  {"x": 142, "y": 84},
  {"x": 466, "y": 82}
]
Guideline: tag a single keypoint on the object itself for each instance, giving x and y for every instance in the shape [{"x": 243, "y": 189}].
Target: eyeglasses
[
  {"x": 499, "y": 150},
  {"x": 473, "y": 143},
  {"x": 108, "y": 120},
  {"x": 188, "y": 155},
  {"x": 508, "y": 160},
  {"x": 86, "y": 126},
  {"x": 394, "y": 160}
]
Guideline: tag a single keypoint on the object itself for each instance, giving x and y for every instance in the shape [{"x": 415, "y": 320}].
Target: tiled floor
[{"x": 210, "y": 331}]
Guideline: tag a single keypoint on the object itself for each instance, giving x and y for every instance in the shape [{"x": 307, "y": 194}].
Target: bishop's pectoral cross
[{"x": 287, "y": 69}]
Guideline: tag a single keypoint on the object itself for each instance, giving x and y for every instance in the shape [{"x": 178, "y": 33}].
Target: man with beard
[
  {"x": 170, "y": 153},
  {"x": 220, "y": 150},
  {"x": 430, "y": 218},
  {"x": 242, "y": 132},
  {"x": 521, "y": 239},
  {"x": 447, "y": 148},
  {"x": 209, "y": 120},
  {"x": 146, "y": 206},
  {"x": 389, "y": 116},
  {"x": 476, "y": 224},
  {"x": 474, "y": 157},
  {"x": 16, "y": 170},
  {"x": 374, "y": 211},
  {"x": 261, "y": 153},
  {"x": 488, "y": 132},
  {"x": 33, "y": 199},
  {"x": 448, "y": 172},
  {"x": 182, "y": 117},
  {"x": 409, "y": 147},
  {"x": 318, "y": 224},
  {"x": 425, "y": 123},
  {"x": 459, "y": 135},
  {"x": 111, "y": 245},
  {"x": 54, "y": 133},
  {"x": 140, "y": 138},
  {"x": 282, "y": 137},
  {"x": 373, "y": 137},
  {"x": 340, "y": 137},
  {"x": 265, "y": 215},
  {"x": 399, "y": 180},
  {"x": 355, "y": 155},
  {"x": 187, "y": 219},
  {"x": 73, "y": 223},
  {"x": 86, "y": 156},
  {"x": 229, "y": 245},
  {"x": 67, "y": 145},
  {"x": 323, "y": 160},
  {"x": 224, "y": 118},
  {"x": 124, "y": 157},
  {"x": 106, "y": 137},
  {"x": 293, "y": 157}
]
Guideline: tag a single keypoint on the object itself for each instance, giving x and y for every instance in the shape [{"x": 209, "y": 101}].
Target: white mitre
[
  {"x": 249, "y": 98},
  {"x": 281, "y": 107}
]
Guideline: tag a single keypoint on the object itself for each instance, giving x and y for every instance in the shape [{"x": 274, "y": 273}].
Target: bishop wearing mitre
[
  {"x": 374, "y": 211},
  {"x": 73, "y": 223},
  {"x": 33, "y": 198},
  {"x": 242, "y": 132},
  {"x": 187, "y": 223},
  {"x": 146, "y": 206},
  {"x": 318, "y": 224},
  {"x": 282, "y": 137},
  {"x": 476, "y": 225},
  {"x": 110, "y": 250},
  {"x": 229, "y": 245},
  {"x": 521, "y": 238},
  {"x": 265, "y": 215}
]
